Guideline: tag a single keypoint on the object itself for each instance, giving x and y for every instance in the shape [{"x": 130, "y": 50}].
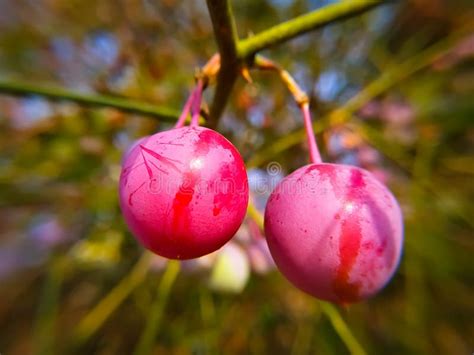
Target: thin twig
[
  {"x": 302, "y": 24},
  {"x": 310, "y": 137},
  {"x": 48, "y": 307},
  {"x": 332, "y": 313},
  {"x": 390, "y": 77},
  {"x": 255, "y": 214},
  {"x": 301, "y": 99},
  {"x": 101, "y": 312},
  {"x": 145, "y": 344},
  {"x": 226, "y": 37},
  {"x": 232, "y": 52},
  {"x": 342, "y": 329},
  {"x": 60, "y": 94},
  {"x": 196, "y": 106},
  {"x": 186, "y": 109}
]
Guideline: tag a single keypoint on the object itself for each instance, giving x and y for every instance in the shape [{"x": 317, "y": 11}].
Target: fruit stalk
[
  {"x": 301, "y": 99},
  {"x": 186, "y": 109},
  {"x": 314, "y": 154},
  {"x": 196, "y": 109}
]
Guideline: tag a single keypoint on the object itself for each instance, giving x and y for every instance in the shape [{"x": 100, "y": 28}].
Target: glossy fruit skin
[
  {"x": 334, "y": 231},
  {"x": 183, "y": 192}
]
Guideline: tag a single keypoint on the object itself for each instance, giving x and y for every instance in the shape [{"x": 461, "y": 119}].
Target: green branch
[
  {"x": 225, "y": 33},
  {"x": 155, "y": 314},
  {"x": 331, "y": 312},
  {"x": 60, "y": 94},
  {"x": 303, "y": 24},
  {"x": 102, "y": 311},
  {"x": 232, "y": 53},
  {"x": 342, "y": 329},
  {"x": 390, "y": 77},
  {"x": 44, "y": 331}
]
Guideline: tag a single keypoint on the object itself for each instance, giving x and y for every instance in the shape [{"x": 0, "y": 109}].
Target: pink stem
[
  {"x": 313, "y": 147},
  {"x": 196, "y": 110},
  {"x": 184, "y": 114}
]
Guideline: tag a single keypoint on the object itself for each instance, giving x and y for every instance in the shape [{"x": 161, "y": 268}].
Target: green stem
[
  {"x": 303, "y": 24},
  {"x": 208, "y": 317},
  {"x": 384, "y": 82},
  {"x": 145, "y": 345},
  {"x": 255, "y": 214},
  {"x": 284, "y": 143},
  {"x": 61, "y": 94},
  {"x": 232, "y": 52},
  {"x": 342, "y": 329},
  {"x": 225, "y": 32},
  {"x": 48, "y": 306},
  {"x": 99, "y": 314},
  {"x": 400, "y": 157},
  {"x": 398, "y": 72},
  {"x": 332, "y": 313}
]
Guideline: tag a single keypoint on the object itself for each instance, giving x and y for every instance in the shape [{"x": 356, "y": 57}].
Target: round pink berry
[
  {"x": 334, "y": 231},
  {"x": 184, "y": 192}
]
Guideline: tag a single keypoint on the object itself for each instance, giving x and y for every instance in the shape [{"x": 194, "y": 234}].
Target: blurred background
[{"x": 393, "y": 92}]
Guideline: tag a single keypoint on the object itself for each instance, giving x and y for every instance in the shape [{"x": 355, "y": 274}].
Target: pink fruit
[
  {"x": 334, "y": 231},
  {"x": 183, "y": 192},
  {"x": 132, "y": 147}
]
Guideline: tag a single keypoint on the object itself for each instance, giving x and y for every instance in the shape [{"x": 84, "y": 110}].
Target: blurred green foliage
[{"x": 66, "y": 257}]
